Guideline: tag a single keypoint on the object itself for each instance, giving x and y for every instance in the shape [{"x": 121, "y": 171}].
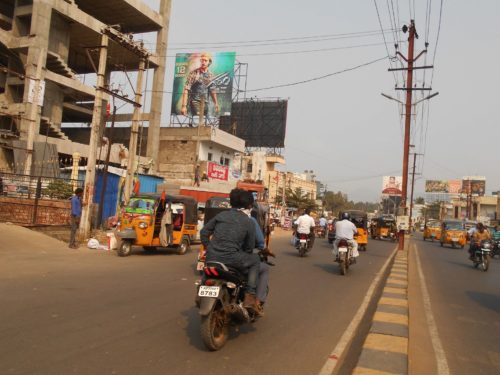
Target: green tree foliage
[
  {"x": 297, "y": 198},
  {"x": 58, "y": 189},
  {"x": 419, "y": 200},
  {"x": 338, "y": 201}
]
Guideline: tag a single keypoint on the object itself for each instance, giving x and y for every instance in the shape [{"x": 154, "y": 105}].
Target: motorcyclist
[
  {"x": 345, "y": 229},
  {"x": 260, "y": 244},
  {"x": 305, "y": 225},
  {"x": 229, "y": 238},
  {"x": 481, "y": 234}
]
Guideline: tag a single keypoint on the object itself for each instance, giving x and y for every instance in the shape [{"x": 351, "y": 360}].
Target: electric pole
[
  {"x": 409, "y": 90},
  {"x": 412, "y": 185}
]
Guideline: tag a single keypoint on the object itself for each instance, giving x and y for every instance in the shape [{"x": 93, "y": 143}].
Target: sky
[{"x": 341, "y": 127}]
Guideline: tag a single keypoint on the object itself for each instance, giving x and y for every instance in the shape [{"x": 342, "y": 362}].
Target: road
[
  {"x": 91, "y": 312},
  {"x": 465, "y": 306}
]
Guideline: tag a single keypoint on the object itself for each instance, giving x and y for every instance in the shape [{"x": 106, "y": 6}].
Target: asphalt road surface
[
  {"x": 86, "y": 311},
  {"x": 466, "y": 308}
]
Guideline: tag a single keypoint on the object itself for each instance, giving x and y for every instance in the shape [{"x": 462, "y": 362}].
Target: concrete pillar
[
  {"x": 34, "y": 68},
  {"x": 153, "y": 144},
  {"x": 134, "y": 133},
  {"x": 97, "y": 118}
]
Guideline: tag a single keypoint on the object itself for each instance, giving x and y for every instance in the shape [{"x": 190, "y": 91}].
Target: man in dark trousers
[
  {"x": 76, "y": 214},
  {"x": 230, "y": 238}
]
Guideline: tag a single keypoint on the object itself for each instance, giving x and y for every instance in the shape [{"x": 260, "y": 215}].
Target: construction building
[{"x": 56, "y": 61}]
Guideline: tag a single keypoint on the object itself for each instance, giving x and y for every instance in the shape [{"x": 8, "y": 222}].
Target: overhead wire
[{"x": 283, "y": 39}]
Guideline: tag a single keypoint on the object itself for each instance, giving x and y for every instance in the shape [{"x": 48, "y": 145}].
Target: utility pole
[
  {"x": 95, "y": 131},
  {"x": 412, "y": 185},
  {"x": 132, "y": 149}
]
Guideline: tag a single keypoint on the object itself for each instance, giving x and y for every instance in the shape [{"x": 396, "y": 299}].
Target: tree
[
  {"x": 297, "y": 198},
  {"x": 419, "y": 200}
]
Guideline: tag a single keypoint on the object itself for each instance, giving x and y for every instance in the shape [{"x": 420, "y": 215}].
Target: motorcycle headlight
[
  {"x": 143, "y": 225},
  {"x": 486, "y": 245}
]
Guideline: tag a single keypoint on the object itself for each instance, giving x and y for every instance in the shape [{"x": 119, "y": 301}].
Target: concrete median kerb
[{"x": 385, "y": 349}]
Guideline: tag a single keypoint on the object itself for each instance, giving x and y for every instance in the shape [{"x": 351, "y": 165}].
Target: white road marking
[
  {"x": 352, "y": 328},
  {"x": 441, "y": 361}
]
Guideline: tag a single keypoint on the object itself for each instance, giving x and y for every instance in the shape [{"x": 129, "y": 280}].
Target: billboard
[
  {"x": 437, "y": 186},
  {"x": 474, "y": 185},
  {"x": 202, "y": 77},
  {"x": 261, "y": 123},
  {"x": 392, "y": 185},
  {"x": 218, "y": 172}
]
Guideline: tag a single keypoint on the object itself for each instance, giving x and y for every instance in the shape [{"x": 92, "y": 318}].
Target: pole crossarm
[
  {"x": 414, "y": 68},
  {"x": 414, "y": 89},
  {"x": 121, "y": 97}
]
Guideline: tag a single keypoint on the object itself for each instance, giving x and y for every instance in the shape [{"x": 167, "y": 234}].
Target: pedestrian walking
[{"x": 76, "y": 214}]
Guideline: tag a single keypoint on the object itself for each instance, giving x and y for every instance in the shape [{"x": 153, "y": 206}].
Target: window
[
  {"x": 209, "y": 156},
  {"x": 249, "y": 167},
  {"x": 226, "y": 161}
]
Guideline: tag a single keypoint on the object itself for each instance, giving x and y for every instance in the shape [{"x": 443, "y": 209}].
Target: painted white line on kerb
[
  {"x": 352, "y": 328},
  {"x": 442, "y": 363}
]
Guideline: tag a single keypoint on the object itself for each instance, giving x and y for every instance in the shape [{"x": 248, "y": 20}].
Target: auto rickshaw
[
  {"x": 360, "y": 219},
  {"x": 453, "y": 233},
  {"x": 140, "y": 223},
  {"x": 432, "y": 230},
  {"x": 215, "y": 205},
  {"x": 383, "y": 227}
]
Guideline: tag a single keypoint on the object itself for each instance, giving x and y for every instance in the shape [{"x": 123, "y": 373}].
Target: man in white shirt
[
  {"x": 305, "y": 225},
  {"x": 345, "y": 229},
  {"x": 322, "y": 222}
]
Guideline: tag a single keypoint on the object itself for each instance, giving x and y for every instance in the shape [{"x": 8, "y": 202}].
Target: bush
[{"x": 58, "y": 189}]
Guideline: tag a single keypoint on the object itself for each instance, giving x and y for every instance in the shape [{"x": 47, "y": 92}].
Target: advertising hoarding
[
  {"x": 218, "y": 172},
  {"x": 474, "y": 185},
  {"x": 391, "y": 185},
  {"x": 437, "y": 186},
  {"x": 203, "y": 77}
]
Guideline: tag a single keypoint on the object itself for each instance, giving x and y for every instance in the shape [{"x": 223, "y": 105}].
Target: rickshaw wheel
[
  {"x": 125, "y": 249},
  {"x": 184, "y": 246}
]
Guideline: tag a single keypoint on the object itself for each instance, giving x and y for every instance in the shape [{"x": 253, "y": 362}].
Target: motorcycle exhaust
[{"x": 238, "y": 313}]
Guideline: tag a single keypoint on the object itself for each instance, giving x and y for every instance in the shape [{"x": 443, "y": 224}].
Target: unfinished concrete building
[{"x": 56, "y": 59}]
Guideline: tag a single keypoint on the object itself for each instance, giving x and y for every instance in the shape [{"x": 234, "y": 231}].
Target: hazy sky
[{"x": 341, "y": 127}]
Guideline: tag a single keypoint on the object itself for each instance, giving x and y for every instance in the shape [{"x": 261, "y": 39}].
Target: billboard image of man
[
  {"x": 392, "y": 185},
  {"x": 199, "y": 82},
  {"x": 203, "y": 80}
]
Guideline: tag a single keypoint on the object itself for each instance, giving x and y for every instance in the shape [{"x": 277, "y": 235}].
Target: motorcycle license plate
[
  {"x": 208, "y": 291},
  {"x": 454, "y": 239},
  {"x": 199, "y": 266},
  {"x": 342, "y": 249},
  {"x": 485, "y": 250},
  {"x": 303, "y": 241}
]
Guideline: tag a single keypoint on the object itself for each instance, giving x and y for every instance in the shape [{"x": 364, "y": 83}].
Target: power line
[
  {"x": 317, "y": 78},
  {"x": 283, "y": 39},
  {"x": 303, "y": 51}
]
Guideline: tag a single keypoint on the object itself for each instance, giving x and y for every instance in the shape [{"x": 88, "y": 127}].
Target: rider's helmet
[{"x": 345, "y": 216}]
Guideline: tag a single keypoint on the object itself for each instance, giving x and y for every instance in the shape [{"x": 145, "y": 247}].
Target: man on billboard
[{"x": 199, "y": 83}]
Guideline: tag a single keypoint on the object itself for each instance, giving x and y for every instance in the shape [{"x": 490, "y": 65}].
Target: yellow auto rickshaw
[
  {"x": 360, "y": 219},
  {"x": 383, "y": 227},
  {"x": 453, "y": 233},
  {"x": 140, "y": 223},
  {"x": 432, "y": 230}
]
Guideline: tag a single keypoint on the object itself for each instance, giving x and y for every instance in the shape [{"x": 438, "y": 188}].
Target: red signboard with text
[{"x": 218, "y": 172}]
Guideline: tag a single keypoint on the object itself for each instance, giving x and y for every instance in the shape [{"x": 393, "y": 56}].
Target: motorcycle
[
  {"x": 303, "y": 244},
  {"x": 495, "y": 248},
  {"x": 320, "y": 232},
  {"x": 481, "y": 255},
  {"x": 345, "y": 258},
  {"x": 220, "y": 298}
]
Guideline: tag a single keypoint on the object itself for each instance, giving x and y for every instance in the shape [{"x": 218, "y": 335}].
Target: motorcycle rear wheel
[{"x": 214, "y": 330}]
